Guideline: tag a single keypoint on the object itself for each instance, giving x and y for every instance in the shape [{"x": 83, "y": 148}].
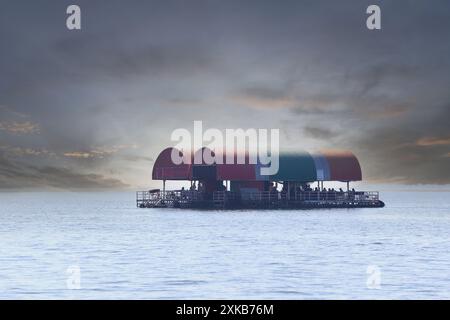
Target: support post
[
  {"x": 295, "y": 191},
  {"x": 164, "y": 189},
  {"x": 289, "y": 191},
  {"x": 348, "y": 186},
  {"x": 318, "y": 190}
]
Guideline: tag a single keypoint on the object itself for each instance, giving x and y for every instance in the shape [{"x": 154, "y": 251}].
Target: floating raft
[
  {"x": 257, "y": 200},
  {"x": 246, "y": 188}
]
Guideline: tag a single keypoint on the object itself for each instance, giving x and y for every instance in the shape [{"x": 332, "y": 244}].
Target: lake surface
[{"x": 98, "y": 245}]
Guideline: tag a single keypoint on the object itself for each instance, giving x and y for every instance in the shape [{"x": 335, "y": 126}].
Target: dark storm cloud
[
  {"x": 319, "y": 133},
  {"x": 412, "y": 149},
  {"x": 386, "y": 93},
  {"x": 399, "y": 129},
  {"x": 93, "y": 107}
]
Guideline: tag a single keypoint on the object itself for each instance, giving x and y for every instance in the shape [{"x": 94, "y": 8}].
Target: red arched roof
[
  {"x": 344, "y": 166},
  {"x": 238, "y": 172},
  {"x": 165, "y": 169},
  {"x": 224, "y": 171}
]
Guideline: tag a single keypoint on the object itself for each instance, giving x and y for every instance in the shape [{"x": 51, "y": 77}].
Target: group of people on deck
[
  {"x": 305, "y": 187},
  {"x": 193, "y": 187},
  {"x": 292, "y": 189},
  {"x": 308, "y": 188}
]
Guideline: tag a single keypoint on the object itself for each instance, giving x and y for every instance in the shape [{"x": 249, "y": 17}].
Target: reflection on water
[{"x": 54, "y": 243}]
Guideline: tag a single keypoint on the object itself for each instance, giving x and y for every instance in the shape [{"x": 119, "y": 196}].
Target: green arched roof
[{"x": 295, "y": 166}]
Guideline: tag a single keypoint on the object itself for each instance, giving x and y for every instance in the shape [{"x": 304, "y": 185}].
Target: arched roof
[
  {"x": 344, "y": 166},
  {"x": 237, "y": 171},
  {"x": 234, "y": 171},
  {"x": 322, "y": 167},
  {"x": 293, "y": 166},
  {"x": 165, "y": 169}
]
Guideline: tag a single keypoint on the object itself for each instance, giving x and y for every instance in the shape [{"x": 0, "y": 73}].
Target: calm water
[{"x": 127, "y": 253}]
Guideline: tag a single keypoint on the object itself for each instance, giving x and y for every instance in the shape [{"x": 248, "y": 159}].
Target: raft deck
[{"x": 258, "y": 200}]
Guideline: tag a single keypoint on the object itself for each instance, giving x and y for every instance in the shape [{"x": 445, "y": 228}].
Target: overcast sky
[{"x": 93, "y": 108}]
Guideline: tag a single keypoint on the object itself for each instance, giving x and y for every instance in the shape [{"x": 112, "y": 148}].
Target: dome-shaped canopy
[
  {"x": 165, "y": 169},
  {"x": 322, "y": 167},
  {"x": 343, "y": 165},
  {"x": 293, "y": 166}
]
